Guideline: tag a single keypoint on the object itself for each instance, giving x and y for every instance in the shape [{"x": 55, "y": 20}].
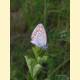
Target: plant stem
[{"x": 45, "y": 12}]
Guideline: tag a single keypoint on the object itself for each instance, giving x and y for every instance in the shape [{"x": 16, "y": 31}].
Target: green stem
[{"x": 45, "y": 12}]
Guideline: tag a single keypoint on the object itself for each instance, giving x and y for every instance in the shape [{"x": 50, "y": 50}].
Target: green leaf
[
  {"x": 36, "y": 70},
  {"x": 29, "y": 77},
  {"x": 30, "y": 63},
  {"x": 43, "y": 59},
  {"x": 37, "y": 52}
]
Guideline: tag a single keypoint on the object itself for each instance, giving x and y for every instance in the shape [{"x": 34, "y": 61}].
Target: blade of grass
[
  {"x": 45, "y": 11},
  {"x": 54, "y": 71}
]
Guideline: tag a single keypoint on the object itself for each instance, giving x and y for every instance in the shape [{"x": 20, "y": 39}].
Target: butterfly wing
[{"x": 39, "y": 37}]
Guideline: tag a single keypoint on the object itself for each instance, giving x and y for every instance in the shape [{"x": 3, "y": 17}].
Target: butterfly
[{"x": 39, "y": 37}]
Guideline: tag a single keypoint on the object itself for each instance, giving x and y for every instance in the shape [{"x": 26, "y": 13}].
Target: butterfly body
[{"x": 39, "y": 37}]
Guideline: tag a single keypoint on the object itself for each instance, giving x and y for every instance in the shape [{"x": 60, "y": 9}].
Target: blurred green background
[{"x": 24, "y": 16}]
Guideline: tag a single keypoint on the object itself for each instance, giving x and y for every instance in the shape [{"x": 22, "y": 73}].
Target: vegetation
[{"x": 55, "y": 62}]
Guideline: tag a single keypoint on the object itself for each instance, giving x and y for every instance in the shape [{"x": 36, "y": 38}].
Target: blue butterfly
[{"x": 39, "y": 37}]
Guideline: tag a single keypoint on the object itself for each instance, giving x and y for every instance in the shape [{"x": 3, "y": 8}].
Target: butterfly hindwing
[{"x": 38, "y": 36}]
